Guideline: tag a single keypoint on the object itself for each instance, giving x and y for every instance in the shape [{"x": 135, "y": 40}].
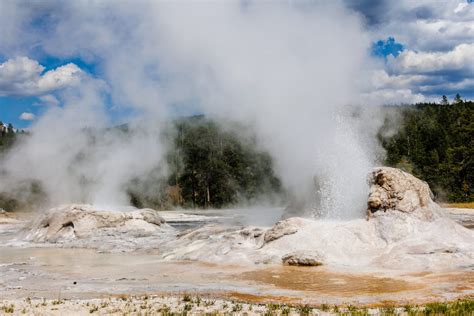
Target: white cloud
[
  {"x": 438, "y": 40},
  {"x": 449, "y": 87},
  {"x": 422, "y": 76},
  {"x": 426, "y": 25},
  {"x": 385, "y": 88},
  {"x": 59, "y": 78},
  {"x": 20, "y": 69},
  {"x": 461, "y": 7},
  {"x": 460, "y": 58},
  {"x": 382, "y": 80},
  {"x": 26, "y": 116},
  {"x": 23, "y": 76},
  {"x": 393, "y": 96},
  {"x": 48, "y": 99}
]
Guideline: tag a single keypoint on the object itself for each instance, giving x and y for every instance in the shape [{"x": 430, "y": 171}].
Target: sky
[{"x": 418, "y": 51}]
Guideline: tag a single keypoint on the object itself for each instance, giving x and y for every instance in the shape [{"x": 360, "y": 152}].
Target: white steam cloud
[{"x": 290, "y": 71}]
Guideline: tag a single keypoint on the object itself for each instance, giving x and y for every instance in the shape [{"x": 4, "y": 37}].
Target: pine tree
[
  {"x": 457, "y": 99},
  {"x": 444, "y": 100}
]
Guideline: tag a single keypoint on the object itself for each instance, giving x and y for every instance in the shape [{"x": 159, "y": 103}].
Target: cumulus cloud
[
  {"x": 458, "y": 59},
  {"x": 22, "y": 76},
  {"x": 48, "y": 99},
  {"x": 382, "y": 80},
  {"x": 437, "y": 37},
  {"x": 27, "y": 116},
  {"x": 423, "y": 76},
  {"x": 422, "y": 25},
  {"x": 449, "y": 88},
  {"x": 393, "y": 97}
]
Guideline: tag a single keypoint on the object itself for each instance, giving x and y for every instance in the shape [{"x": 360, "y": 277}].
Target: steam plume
[{"x": 290, "y": 70}]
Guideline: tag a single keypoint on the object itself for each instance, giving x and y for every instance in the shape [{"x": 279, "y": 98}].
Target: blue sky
[
  {"x": 384, "y": 48},
  {"x": 424, "y": 49}
]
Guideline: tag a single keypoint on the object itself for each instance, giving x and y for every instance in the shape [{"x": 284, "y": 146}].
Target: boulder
[
  {"x": 285, "y": 227},
  {"x": 392, "y": 189},
  {"x": 303, "y": 258},
  {"x": 71, "y": 222}
]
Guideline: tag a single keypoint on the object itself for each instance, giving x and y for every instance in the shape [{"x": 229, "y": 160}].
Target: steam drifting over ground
[{"x": 284, "y": 69}]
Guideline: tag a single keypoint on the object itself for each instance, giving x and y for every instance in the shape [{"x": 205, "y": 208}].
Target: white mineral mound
[
  {"x": 79, "y": 225},
  {"x": 405, "y": 229}
]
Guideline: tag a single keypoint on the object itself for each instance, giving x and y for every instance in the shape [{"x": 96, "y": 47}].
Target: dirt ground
[{"x": 47, "y": 280}]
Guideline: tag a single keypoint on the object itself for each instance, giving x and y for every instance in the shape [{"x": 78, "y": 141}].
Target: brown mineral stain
[
  {"x": 326, "y": 282},
  {"x": 463, "y": 280}
]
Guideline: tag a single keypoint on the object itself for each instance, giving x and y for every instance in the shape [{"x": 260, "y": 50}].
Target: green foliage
[
  {"x": 213, "y": 167},
  {"x": 187, "y": 298},
  {"x": 8, "y": 137},
  {"x": 459, "y": 307},
  {"x": 305, "y": 310},
  {"x": 436, "y": 144}
]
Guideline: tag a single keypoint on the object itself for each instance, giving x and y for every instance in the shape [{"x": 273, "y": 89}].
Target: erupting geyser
[{"x": 285, "y": 71}]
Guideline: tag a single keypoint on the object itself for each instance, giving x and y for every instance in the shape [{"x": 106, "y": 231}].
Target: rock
[
  {"x": 303, "y": 258},
  {"x": 392, "y": 189},
  {"x": 215, "y": 243},
  {"x": 70, "y": 222},
  {"x": 285, "y": 227},
  {"x": 252, "y": 232},
  {"x": 7, "y": 218},
  {"x": 463, "y": 216}
]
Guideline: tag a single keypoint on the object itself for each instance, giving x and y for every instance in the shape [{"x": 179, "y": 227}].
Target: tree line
[
  {"x": 212, "y": 166},
  {"x": 435, "y": 142}
]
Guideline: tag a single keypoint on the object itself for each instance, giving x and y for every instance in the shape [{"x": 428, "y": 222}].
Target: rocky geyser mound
[
  {"x": 392, "y": 189},
  {"x": 405, "y": 230},
  {"x": 80, "y": 222}
]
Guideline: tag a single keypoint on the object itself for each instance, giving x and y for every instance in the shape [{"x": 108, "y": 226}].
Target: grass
[
  {"x": 57, "y": 302},
  {"x": 460, "y": 205},
  {"x": 305, "y": 310},
  {"x": 187, "y": 298},
  {"x": 8, "y": 309},
  {"x": 188, "y": 305},
  {"x": 237, "y": 307},
  {"x": 286, "y": 310},
  {"x": 93, "y": 309},
  {"x": 459, "y": 307}
]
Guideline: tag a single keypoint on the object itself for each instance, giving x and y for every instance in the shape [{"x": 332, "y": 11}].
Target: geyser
[
  {"x": 406, "y": 231},
  {"x": 289, "y": 71}
]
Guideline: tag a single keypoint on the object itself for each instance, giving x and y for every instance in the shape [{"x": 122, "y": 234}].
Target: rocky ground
[{"x": 463, "y": 216}]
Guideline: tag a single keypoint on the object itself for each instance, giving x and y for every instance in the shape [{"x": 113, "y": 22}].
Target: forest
[
  {"x": 213, "y": 167},
  {"x": 435, "y": 142},
  {"x": 209, "y": 167}
]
